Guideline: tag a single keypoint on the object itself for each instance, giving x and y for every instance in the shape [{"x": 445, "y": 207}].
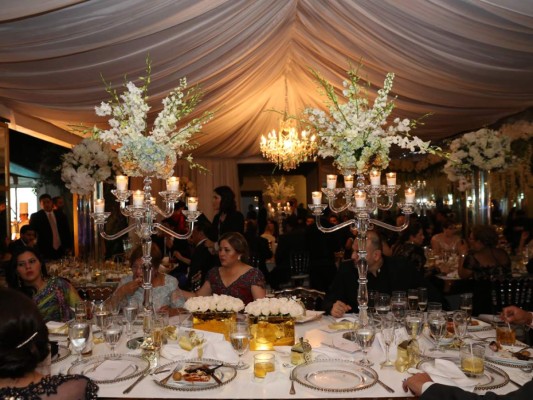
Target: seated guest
[
  {"x": 447, "y": 241},
  {"x": 410, "y": 245},
  {"x": 234, "y": 277},
  {"x": 55, "y": 297},
  {"x": 163, "y": 285},
  {"x": 28, "y": 238},
  {"x": 23, "y": 346},
  {"x": 385, "y": 275}
]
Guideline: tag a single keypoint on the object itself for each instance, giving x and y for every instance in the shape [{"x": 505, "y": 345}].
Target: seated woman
[
  {"x": 163, "y": 285},
  {"x": 234, "y": 277},
  {"x": 55, "y": 297},
  {"x": 410, "y": 247},
  {"x": 23, "y": 346},
  {"x": 447, "y": 241}
]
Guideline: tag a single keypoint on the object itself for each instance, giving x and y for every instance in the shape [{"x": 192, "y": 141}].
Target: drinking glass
[
  {"x": 460, "y": 325},
  {"x": 437, "y": 326},
  {"x": 113, "y": 305},
  {"x": 112, "y": 333},
  {"x": 240, "y": 340},
  {"x": 387, "y": 332},
  {"x": 465, "y": 304},
  {"x": 382, "y": 303},
  {"x": 412, "y": 299},
  {"x": 365, "y": 337},
  {"x": 434, "y": 306},
  {"x": 422, "y": 298},
  {"x": 80, "y": 311},
  {"x": 414, "y": 323},
  {"x": 130, "y": 314},
  {"x": 101, "y": 313},
  {"x": 399, "y": 306},
  {"x": 78, "y": 333}
]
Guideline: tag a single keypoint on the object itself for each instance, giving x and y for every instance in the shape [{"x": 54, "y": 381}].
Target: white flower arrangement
[
  {"x": 485, "y": 149},
  {"x": 355, "y": 134},
  {"x": 88, "y": 162},
  {"x": 274, "y": 306},
  {"x": 214, "y": 303},
  {"x": 152, "y": 153},
  {"x": 278, "y": 191}
]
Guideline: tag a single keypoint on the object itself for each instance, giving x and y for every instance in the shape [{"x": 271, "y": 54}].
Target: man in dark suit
[
  {"x": 28, "y": 238},
  {"x": 52, "y": 230}
]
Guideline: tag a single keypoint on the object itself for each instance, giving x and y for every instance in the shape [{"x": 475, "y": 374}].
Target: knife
[
  {"x": 211, "y": 371},
  {"x": 140, "y": 378},
  {"x": 387, "y": 388}
]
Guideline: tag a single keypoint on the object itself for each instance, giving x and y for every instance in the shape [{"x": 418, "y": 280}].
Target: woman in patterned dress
[{"x": 55, "y": 297}]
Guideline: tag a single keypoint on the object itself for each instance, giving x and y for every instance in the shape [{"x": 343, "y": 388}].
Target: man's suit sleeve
[{"x": 444, "y": 392}]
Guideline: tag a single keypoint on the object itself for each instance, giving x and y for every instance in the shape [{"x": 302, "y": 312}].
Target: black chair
[
  {"x": 311, "y": 298},
  {"x": 299, "y": 266},
  {"x": 507, "y": 292}
]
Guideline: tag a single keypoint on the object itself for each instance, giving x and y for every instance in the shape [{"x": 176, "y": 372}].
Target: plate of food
[
  {"x": 478, "y": 325},
  {"x": 197, "y": 374},
  {"x": 310, "y": 315},
  {"x": 512, "y": 356}
]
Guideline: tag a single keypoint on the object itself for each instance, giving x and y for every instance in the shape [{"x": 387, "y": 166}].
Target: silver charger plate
[
  {"x": 334, "y": 375},
  {"x": 226, "y": 373},
  {"x": 492, "y": 378},
  {"x": 510, "y": 361},
  {"x": 62, "y": 353},
  {"x": 138, "y": 366}
]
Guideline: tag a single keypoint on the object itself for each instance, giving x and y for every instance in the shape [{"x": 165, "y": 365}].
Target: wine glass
[
  {"x": 387, "y": 333},
  {"x": 437, "y": 326},
  {"x": 112, "y": 333},
  {"x": 364, "y": 335},
  {"x": 240, "y": 340},
  {"x": 412, "y": 299},
  {"x": 466, "y": 304},
  {"x": 78, "y": 333},
  {"x": 130, "y": 314},
  {"x": 113, "y": 305},
  {"x": 422, "y": 298},
  {"x": 460, "y": 324},
  {"x": 382, "y": 303},
  {"x": 398, "y": 307},
  {"x": 414, "y": 323},
  {"x": 80, "y": 311},
  {"x": 101, "y": 313}
]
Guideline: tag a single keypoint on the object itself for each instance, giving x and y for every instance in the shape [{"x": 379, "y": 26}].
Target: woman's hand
[
  {"x": 339, "y": 309},
  {"x": 131, "y": 287}
]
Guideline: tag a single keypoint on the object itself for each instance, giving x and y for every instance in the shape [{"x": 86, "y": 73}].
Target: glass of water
[
  {"x": 365, "y": 337},
  {"x": 112, "y": 333},
  {"x": 78, "y": 333},
  {"x": 130, "y": 311},
  {"x": 437, "y": 321},
  {"x": 240, "y": 340}
]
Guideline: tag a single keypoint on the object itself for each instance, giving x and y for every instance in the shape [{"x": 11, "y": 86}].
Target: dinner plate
[
  {"x": 110, "y": 369},
  {"x": 504, "y": 357},
  {"x": 310, "y": 315},
  {"x": 481, "y": 326},
  {"x": 226, "y": 373},
  {"x": 334, "y": 375},
  {"x": 62, "y": 353},
  {"x": 492, "y": 378}
]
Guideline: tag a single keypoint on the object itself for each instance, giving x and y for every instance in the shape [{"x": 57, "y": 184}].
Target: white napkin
[
  {"x": 111, "y": 369},
  {"x": 448, "y": 373},
  {"x": 324, "y": 352},
  {"x": 57, "y": 327}
]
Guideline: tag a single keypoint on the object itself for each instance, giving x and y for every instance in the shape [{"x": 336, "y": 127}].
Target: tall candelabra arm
[
  {"x": 391, "y": 227},
  {"x": 170, "y": 232},
  {"x": 115, "y": 235},
  {"x": 387, "y": 206},
  {"x": 169, "y": 210},
  {"x": 333, "y": 228}
]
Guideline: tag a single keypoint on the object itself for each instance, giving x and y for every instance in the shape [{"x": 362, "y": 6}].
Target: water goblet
[
  {"x": 465, "y": 304},
  {"x": 112, "y": 333},
  {"x": 414, "y": 323},
  {"x": 364, "y": 335},
  {"x": 78, "y": 333},
  {"x": 422, "y": 298},
  {"x": 460, "y": 325},
  {"x": 437, "y": 326},
  {"x": 387, "y": 333},
  {"x": 101, "y": 313},
  {"x": 382, "y": 303},
  {"x": 240, "y": 340},
  {"x": 399, "y": 307},
  {"x": 130, "y": 314}
]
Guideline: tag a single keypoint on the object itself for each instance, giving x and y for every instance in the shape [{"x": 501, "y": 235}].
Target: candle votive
[
  {"x": 99, "y": 206},
  {"x": 360, "y": 199},
  {"x": 409, "y": 196},
  {"x": 348, "y": 181},
  {"x": 138, "y": 198},
  {"x": 173, "y": 184},
  {"x": 192, "y": 203},
  {"x": 122, "y": 182},
  {"x": 317, "y": 197},
  {"x": 331, "y": 181},
  {"x": 391, "y": 178},
  {"x": 375, "y": 177},
  {"x": 263, "y": 364}
]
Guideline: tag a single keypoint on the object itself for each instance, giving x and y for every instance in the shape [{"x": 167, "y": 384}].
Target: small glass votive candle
[
  {"x": 263, "y": 364},
  {"x": 316, "y": 197},
  {"x": 472, "y": 358}
]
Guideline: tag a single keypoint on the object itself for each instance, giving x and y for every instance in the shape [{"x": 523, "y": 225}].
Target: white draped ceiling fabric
[{"x": 468, "y": 63}]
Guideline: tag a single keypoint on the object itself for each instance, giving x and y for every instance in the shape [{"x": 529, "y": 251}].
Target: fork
[{"x": 291, "y": 377}]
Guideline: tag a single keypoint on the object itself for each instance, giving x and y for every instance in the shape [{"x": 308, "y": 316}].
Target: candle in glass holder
[
  {"x": 409, "y": 196},
  {"x": 331, "y": 181},
  {"x": 375, "y": 177},
  {"x": 122, "y": 182},
  {"x": 360, "y": 199},
  {"x": 317, "y": 197},
  {"x": 152, "y": 201},
  {"x": 391, "y": 178},
  {"x": 138, "y": 198},
  {"x": 348, "y": 181},
  {"x": 192, "y": 203},
  {"x": 173, "y": 184},
  {"x": 99, "y": 206}
]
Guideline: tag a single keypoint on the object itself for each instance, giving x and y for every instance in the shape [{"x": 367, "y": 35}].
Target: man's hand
[
  {"x": 339, "y": 309},
  {"x": 415, "y": 382},
  {"x": 515, "y": 315}
]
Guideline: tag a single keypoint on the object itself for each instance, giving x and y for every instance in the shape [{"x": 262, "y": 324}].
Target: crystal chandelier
[
  {"x": 286, "y": 148},
  {"x": 362, "y": 200}
]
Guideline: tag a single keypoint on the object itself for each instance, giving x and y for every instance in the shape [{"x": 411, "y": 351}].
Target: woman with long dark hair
[{"x": 227, "y": 218}]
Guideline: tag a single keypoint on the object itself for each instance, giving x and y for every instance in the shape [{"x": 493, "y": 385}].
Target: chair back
[
  {"x": 311, "y": 298},
  {"x": 299, "y": 264},
  {"x": 254, "y": 260},
  {"x": 96, "y": 293},
  {"x": 515, "y": 291}
]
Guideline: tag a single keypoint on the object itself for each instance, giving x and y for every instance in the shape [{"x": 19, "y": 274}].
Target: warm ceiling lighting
[{"x": 286, "y": 148}]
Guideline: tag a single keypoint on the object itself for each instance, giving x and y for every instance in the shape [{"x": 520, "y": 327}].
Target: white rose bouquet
[
  {"x": 274, "y": 306},
  {"x": 214, "y": 303},
  {"x": 278, "y": 191}
]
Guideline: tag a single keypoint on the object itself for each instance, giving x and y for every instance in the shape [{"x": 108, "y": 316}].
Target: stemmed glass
[
  {"x": 437, "y": 326},
  {"x": 414, "y": 323},
  {"x": 101, "y": 313},
  {"x": 399, "y": 306},
  {"x": 365, "y": 337},
  {"x": 466, "y": 304},
  {"x": 112, "y": 333},
  {"x": 130, "y": 314},
  {"x": 422, "y": 298},
  {"x": 113, "y": 305},
  {"x": 240, "y": 340},
  {"x": 387, "y": 333},
  {"x": 412, "y": 299},
  {"x": 460, "y": 324},
  {"x": 78, "y": 333}
]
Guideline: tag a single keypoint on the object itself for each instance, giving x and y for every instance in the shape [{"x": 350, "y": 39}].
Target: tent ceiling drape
[{"x": 469, "y": 63}]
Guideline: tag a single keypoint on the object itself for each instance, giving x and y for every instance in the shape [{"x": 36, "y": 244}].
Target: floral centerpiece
[
  {"x": 214, "y": 313},
  {"x": 272, "y": 322},
  {"x": 278, "y": 191},
  {"x": 88, "y": 162},
  {"x": 356, "y": 134},
  {"x": 152, "y": 153}
]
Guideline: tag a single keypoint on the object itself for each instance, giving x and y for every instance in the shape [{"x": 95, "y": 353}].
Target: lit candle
[
  {"x": 173, "y": 184},
  {"x": 122, "y": 182},
  {"x": 331, "y": 181},
  {"x": 192, "y": 203},
  {"x": 138, "y": 198},
  {"x": 391, "y": 178},
  {"x": 99, "y": 206},
  {"x": 360, "y": 199},
  {"x": 375, "y": 177},
  {"x": 317, "y": 197},
  {"x": 348, "y": 181},
  {"x": 152, "y": 200},
  {"x": 409, "y": 196}
]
